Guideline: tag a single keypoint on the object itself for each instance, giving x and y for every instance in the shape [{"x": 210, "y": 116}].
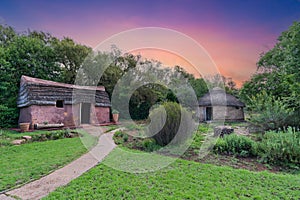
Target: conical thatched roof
[{"x": 218, "y": 97}]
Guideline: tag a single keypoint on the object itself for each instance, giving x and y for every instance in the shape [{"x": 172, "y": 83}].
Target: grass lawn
[
  {"x": 20, "y": 164},
  {"x": 181, "y": 180}
]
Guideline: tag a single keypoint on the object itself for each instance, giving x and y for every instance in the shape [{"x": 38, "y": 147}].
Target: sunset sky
[{"x": 233, "y": 32}]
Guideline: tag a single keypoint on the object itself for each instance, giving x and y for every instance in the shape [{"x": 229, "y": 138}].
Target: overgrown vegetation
[
  {"x": 272, "y": 94},
  {"x": 269, "y": 113},
  {"x": 282, "y": 147},
  {"x": 176, "y": 123},
  {"x": 41, "y": 55},
  {"x": 144, "y": 144},
  {"x": 276, "y": 147},
  {"x": 35, "y": 54},
  {"x": 236, "y": 145}
]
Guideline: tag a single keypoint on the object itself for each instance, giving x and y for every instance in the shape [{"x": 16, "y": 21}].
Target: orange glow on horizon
[
  {"x": 167, "y": 58},
  {"x": 170, "y": 59}
]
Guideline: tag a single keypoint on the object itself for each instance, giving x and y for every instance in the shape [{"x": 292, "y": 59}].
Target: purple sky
[{"x": 234, "y": 32}]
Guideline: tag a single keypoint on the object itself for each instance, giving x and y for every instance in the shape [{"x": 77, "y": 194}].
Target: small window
[
  {"x": 237, "y": 107},
  {"x": 59, "y": 103}
]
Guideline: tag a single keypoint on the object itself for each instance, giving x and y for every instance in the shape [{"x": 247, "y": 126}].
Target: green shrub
[
  {"x": 125, "y": 138},
  {"x": 221, "y": 146},
  {"x": 54, "y": 135},
  {"x": 39, "y": 138},
  {"x": 236, "y": 145},
  {"x": 118, "y": 134},
  {"x": 120, "y": 137},
  {"x": 281, "y": 147},
  {"x": 174, "y": 120},
  {"x": 8, "y": 116},
  {"x": 268, "y": 112},
  {"x": 149, "y": 145}
]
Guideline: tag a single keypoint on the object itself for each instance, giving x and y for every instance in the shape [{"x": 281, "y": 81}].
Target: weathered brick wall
[
  {"x": 50, "y": 114},
  {"x": 102, "y": 114},
  {"x": 71, "y": 115}
]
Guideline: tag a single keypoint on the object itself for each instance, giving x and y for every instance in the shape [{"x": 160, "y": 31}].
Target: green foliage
[
  {"x": 286, "y": 54},
  {"x": 24, "y": 56},
  {"x": 8, "y": 116},
  {"x": 120, "y": 137},
  {"x": 144, "y": 98},
  {"x": 267, "y": 112},
  {"x": 7, "y": 136},
  {"x": 114, "y": 111},
  {"x": 31, "y": 56},
  {"x": 144, "y": 144},
  {"x": 281, "y": 147},
  {"x": 7, "y": 34},
  {"x": 195, "y": 180},
  {"x": 128, "y": 71},
  {"x": 70, "y": 55},
  {"x": 198, "y": 84},
  {"x": 119, "y": 134},
  {"x": 279, "y": 75},
  {"x": 236, "y": 145},
  {"x": 221, "y": 81},
  {"x": 110, "y": 78},
  {"x": 176, "y": 116},
  {"x": 24, "y": 163},
  {"x": 149, "y": 145},
  {"x": 133, "y": 126},
  {"x": 34, "y": 54},
  {"x": 54, "y": 135},
  {"x": 199, "y": 136},
  {"x": 275, "y": 83}
]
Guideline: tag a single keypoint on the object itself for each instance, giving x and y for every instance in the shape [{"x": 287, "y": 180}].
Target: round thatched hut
[{"x": 218, "y": 105}]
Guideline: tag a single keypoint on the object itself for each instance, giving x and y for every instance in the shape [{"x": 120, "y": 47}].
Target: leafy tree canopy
[
  {"x": 278, "y": 76},
  {"x": 35, "y": 54}
]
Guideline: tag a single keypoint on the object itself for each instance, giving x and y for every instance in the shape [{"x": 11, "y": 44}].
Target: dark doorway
[
  {"x": 209, "y": 113},
  {"x": 85, "y": 113}
]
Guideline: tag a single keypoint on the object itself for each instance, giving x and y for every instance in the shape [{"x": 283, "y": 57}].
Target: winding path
[{"x": 42, "y": 187}]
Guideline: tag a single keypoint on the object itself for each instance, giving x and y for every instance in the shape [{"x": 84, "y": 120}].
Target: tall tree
[
  {"x": 278, "y": 74},
  {"x": 22, "y": 55},
  {"x": 285, "y": 55},
  {"x": 198, "y": 84},
  {"x": 70, "y": 56},
  {"x": 7, "y": 34},
  {"x": 218, "y": 80}
]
